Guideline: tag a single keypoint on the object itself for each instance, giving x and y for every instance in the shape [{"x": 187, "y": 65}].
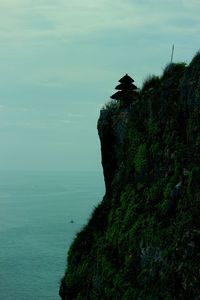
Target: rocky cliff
[{"x": 143, "y": 240}]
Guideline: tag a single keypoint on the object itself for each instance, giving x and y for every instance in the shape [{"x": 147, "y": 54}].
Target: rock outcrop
[
  {"x": 143, "y": 240},
  {"x": 112, "y": 128}
]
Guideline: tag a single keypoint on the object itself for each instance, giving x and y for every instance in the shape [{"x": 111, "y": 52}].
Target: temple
[{"x": 125, "y": 91}]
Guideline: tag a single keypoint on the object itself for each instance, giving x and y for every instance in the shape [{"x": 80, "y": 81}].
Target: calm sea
[{"x": 36, "y": 210}]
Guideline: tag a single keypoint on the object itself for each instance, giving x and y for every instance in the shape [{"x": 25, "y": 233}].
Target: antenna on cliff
[{"x": 172, "y": 55}]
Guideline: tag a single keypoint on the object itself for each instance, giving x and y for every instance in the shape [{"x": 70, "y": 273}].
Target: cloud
[
  {"x": 66, "y": 121},
  {"x": 76, "y": 116},
  {"x": 35, "y": 124},
  {"x": 18, "y": 109},
  {"x": 38, "y": 21},
  {"x": 53, "y": 123},
  {"x": 58, "y": 42}
]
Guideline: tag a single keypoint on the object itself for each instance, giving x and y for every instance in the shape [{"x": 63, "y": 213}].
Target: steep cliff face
[
  {"x": 112, "y": 128},
  {"x": 143, "y": 240}
]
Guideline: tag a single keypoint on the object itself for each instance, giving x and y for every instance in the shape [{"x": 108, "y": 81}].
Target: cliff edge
[{"x": 143, "y": 240}]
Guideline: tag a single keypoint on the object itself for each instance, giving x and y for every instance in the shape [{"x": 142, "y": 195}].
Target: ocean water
[{"x": 36, "y": 210}]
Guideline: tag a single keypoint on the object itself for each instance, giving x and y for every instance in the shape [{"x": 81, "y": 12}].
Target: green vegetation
[
  {"x": 143, "y": 240},
  {"x": 172, "y": 69},
  {"x": 140, "y": 158},
  {"x": 150, "y": 82},
  {"x": 111, "y": 105}
]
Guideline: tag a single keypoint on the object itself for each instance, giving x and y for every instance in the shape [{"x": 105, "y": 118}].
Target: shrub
[
  {"x": 172, "y": 69},
  {"x": 140, "y": 158},
  {"x": 111, "y": 105},
  {"x": 151, "y": 81}
]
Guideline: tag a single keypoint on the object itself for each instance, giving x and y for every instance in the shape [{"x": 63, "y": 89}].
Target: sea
[{"x": 40, "y": 214}]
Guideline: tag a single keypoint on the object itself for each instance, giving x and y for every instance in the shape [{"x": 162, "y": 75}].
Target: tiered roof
[
  {"x": 126, "y": 79},
  {"x": 124, "y": 88}
]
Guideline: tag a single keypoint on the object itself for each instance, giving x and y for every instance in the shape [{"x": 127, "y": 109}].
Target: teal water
[{"x": 35, "y": 229}]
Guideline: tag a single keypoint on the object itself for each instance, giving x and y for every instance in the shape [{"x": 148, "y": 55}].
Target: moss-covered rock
[{"x": 143, "y": 240}]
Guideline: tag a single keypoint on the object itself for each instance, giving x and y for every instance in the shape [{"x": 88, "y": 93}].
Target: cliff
[{"x": 143, "y": 240}]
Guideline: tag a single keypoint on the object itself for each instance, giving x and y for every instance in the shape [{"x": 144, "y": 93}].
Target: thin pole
[{"x": 172, "y": 55}]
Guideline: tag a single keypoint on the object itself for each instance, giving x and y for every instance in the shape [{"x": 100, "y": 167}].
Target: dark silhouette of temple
[{"x": 126, "y": 91}]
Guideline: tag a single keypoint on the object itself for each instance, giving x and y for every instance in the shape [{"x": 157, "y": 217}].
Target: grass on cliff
[{"x": 143, "y": 240}]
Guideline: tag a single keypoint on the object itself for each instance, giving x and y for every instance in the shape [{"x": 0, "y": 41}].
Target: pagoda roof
[
  {"x": 117, "y": 96},
  {"x": 126, "y": 86},
  {"x": 126, "y": 79}
]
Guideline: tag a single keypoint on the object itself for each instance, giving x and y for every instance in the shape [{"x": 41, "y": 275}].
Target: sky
[{"x": 60, "y": 61}]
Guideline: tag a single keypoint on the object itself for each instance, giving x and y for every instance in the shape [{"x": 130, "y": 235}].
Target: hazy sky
[{"x": 59, "y": 63}]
